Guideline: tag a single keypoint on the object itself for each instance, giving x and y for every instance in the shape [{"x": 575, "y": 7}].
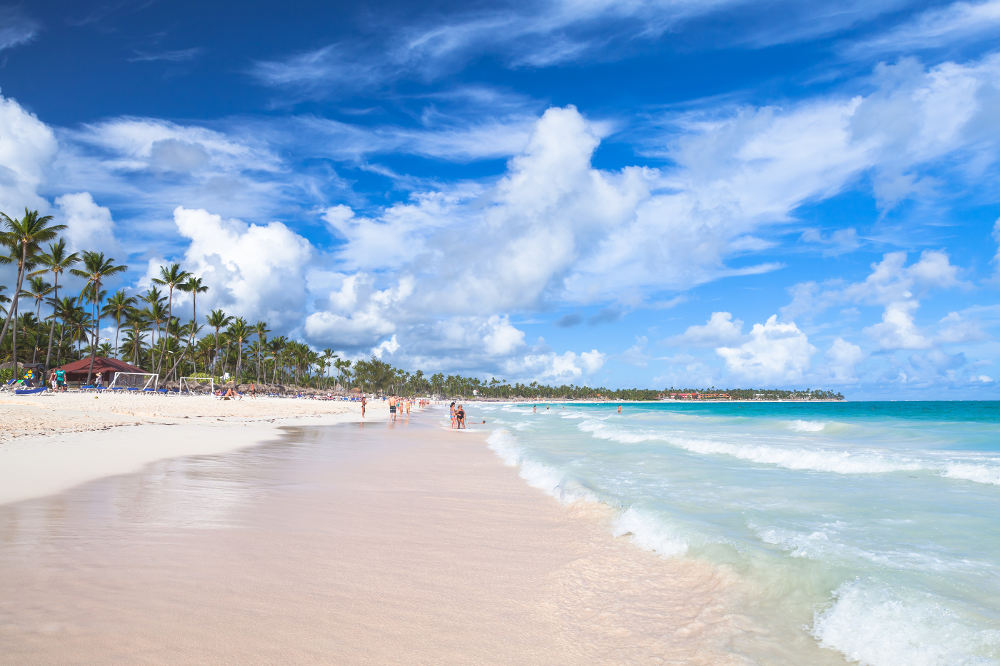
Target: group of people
[
  {"x": 396, "y": 406},
  {"x": 57, "y": 379}
]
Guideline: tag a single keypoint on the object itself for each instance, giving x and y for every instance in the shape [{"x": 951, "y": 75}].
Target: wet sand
[{"x": 346, "y": 544}]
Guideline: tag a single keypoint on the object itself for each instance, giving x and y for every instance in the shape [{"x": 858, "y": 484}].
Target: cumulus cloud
[
  {"x": 721, "y": 329},
  {"x": 897, "y": 329},
  {"x": 842, "y": 357},
  {"x": 88, "y": 226},
  {"x": 552, "y": 367},
  {"x": 385, "y": 347},
  {"x": 891, "y": 281},
  {"x": 775, "y": 352},
  {"x": 27, "y": 148},
  {"x": 256, "y": 271}
]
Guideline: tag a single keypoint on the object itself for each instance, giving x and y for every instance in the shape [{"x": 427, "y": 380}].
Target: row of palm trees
[{"x": 147, "y": 332}]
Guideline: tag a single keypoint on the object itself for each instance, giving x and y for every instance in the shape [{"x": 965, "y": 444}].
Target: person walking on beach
[
  {"x": 52, "y": 380},
  {"x": 392, "y": 408},
  {"x": 61, "y": 379},
  {"x": 364, "y": 401},
  {"x": 451, "y": 413},
  {"x": 460, "y": 417}
]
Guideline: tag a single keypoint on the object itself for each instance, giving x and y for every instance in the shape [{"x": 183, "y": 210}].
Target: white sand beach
[{"x": 49, "y": 443}]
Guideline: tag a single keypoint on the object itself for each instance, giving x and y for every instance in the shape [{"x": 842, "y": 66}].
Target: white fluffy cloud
[
  {"x": 552, "y": 367},
  {"x": 721, "y": 329},
  {"x": 88, "y": 226},
  {"x": 27, "y": 148},
  {"x": 256, "y": 271},
  {"x": 775, "y": 352},
  {"x": 897, "y": 329},
  {"x": 842, "y": 358}
]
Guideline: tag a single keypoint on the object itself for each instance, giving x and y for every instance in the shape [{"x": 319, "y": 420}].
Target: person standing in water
[
  {"x": 392, "y": 408},
  {"x": 451, "y": 413},
  {"x": 619, "y": 409}
]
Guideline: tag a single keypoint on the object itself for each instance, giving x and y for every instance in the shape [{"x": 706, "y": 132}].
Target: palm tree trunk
[
  {"x": 38, "y": 331},
  {"x": 11, "y": 312},
  {"x": 97, "y": 328},
  {"x": 52, "y": 326},
  {"x": 170, "y": 315}
]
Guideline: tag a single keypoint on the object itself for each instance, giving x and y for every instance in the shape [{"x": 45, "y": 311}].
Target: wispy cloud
[
  {"x": 552, "y": 33},
  {"x": 16, "y": 28},
  {"x": 538, "y": 34},
  {"x": 178, "y": 55},
  {"x": 936, "y": 28}
]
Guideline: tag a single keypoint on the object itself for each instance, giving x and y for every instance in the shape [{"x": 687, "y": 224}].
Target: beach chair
[
  {"x": 162, "y": 390},
  {"x": 33, "y": 391}
]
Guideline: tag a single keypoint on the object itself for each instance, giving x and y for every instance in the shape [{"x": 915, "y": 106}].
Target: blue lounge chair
[{"x": 32, "y": 391}]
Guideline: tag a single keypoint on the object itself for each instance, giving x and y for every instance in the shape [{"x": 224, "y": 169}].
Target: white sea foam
[
  {"x": 650, "y": 532},
  {"x": 820, "y": 460},
  {"x": 806, "y": 426},
  {"x": 825, "y": 544},
  {"x": 537, "y": 474},
  {"x": 600, "y": 429},
  {"x": 875, "y": 624},
  {"x": 980, "y": 473}
]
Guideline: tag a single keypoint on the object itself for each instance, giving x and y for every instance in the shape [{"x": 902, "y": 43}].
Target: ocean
[{"x": 871, "y": 528}]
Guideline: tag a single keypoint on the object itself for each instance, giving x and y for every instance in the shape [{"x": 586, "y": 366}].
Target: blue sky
[{"x": 619, "y": 193}]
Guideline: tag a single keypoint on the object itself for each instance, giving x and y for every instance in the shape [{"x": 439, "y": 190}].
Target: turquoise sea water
[{"x": 874, "y": 527}]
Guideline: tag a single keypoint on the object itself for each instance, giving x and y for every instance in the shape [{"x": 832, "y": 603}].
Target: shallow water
[{"x": 871, "y": 527}]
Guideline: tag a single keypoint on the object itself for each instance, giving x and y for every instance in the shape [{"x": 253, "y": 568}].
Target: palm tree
[
  {"x": 193, "y": 286},
  {"x": 170, "y": 276},
  {"x": 137, "y": 322},
  {"x": 261, "y": 330},
  {"x": 239, "y": 332},
  {"x": 276, "y": 346},
  {"x": 38, "y": 289},
  {"x": 55, "y": 261},
  {"x": 217, "y": 319},
  {"x": 62, "y": 309},
  {"x": 328, "y": 356},
  {"x": 96, "y": 269},
  {"x": 118, "y": 306},
  {"x": 23, "y": 237},
  {"x": 3, "y": 298}
]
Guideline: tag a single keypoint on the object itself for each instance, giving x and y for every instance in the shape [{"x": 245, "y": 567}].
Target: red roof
[{"x": 101, "y": 365}]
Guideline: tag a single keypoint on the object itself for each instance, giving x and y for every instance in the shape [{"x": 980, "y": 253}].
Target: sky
[{"x": 614, "y": 193}]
